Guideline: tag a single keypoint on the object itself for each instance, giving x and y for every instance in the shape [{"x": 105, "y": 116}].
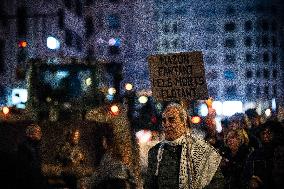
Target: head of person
[
  {"x": 237, "y": 121},
  {"x": 271, "y": 133},
  {"x": 266, "y": 135},
  {"x": 74, "y": 136},
  {"x": 253, "y": 117},
  {"x": 33, "y": 132},
  {"x": 233, "y": 140},
  {"x": 174, "y": 121},
  {"x": 105, "y": 142}
]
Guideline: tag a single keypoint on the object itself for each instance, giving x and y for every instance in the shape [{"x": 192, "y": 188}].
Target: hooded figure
[{"x": 110, "y": 171}]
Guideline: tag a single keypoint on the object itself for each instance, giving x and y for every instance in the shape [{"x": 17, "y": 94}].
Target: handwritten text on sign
[{"x": 178, "y": 76}]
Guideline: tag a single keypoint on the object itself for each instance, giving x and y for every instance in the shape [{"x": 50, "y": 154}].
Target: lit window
[
  {"x": 229, "y": 74},
  {"x": 114, "y": 21}
]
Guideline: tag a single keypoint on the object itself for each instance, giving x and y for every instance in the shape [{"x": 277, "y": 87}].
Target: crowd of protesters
[{"x": 252, "y": 151}]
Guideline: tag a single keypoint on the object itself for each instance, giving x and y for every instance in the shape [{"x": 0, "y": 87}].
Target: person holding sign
[{"x": 183, "y": 160}]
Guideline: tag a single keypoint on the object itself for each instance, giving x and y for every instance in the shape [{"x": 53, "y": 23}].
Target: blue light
[
  {"x": 228, "y": 74},
  {"x": 19, "y": 96},
  {"x": 203, "y": 110},
  {"x": 114, "y": 42},
  {"x": 110, "y": 97},
  {"x": 117, "y": 42}
]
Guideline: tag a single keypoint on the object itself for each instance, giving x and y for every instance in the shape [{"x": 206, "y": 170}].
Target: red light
[
  {"x": 114, "y": 109},
  {"x": 154, "y": 119},
  {"x": 195, "y": 119},
  {"x": 6, "y": 110},
  {"x": 22, "y": 44}
]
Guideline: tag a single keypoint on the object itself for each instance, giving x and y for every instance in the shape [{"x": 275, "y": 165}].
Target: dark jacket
[
  {"x": 168, "y": 176},
  {"x": 29, "y": 164},
  {"x": 111, "y": 174},
  {"x": 233, "y": 167}
]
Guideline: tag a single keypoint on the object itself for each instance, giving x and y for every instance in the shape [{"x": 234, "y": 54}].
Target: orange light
[
  {"x": 195, "y": 119},
  {"x": 23, "y": 44},
  {"x": 6, "y": 110},
  {"x": 114, "y": 109},
  {"x": 209, "y": 102}
]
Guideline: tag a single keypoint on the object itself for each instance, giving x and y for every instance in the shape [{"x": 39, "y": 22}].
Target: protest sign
[{"x": 178, "y": 76}]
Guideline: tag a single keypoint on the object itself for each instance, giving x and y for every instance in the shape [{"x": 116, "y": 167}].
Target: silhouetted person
[
  {"x": 110, "y": 172},
  {"x": 71, "y": 157},
  {"x": 29, "y": 159}
]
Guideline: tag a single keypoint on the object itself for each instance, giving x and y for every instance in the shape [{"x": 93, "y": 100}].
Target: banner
[{"x": 178, "y": 76}]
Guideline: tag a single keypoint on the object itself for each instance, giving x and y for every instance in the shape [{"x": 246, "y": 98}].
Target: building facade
[
  {"x": 241, "y": 41},
  {"x": 26, "y": 26}
]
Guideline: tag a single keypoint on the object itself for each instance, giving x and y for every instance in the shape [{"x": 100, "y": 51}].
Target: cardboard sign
[{"x": 179, "y": 76}]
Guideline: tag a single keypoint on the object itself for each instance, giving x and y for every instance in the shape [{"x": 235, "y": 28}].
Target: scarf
[{"x": 198, "y": 162}]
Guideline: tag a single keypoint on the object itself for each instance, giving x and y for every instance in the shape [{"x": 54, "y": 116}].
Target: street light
[
  {"x": 52, "y": 43},
  {"x": 128, "y": 86},
  {"x": 143, "y": 99},
  {"x": 114, "y": 109},
  {"x": 111, "y": 91},
  {"x": 5, "y": 110}
]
